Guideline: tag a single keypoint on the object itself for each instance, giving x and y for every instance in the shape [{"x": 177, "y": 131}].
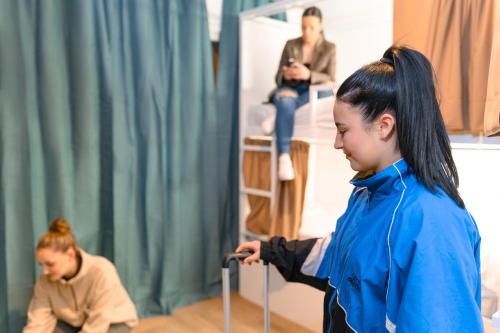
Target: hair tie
[{"x": 387, "y": 61}]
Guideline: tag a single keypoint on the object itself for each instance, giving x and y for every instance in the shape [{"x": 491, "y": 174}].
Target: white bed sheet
[{"x": 322, "y": 128}]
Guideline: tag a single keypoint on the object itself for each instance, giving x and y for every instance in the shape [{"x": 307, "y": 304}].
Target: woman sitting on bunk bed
[
  {"x": 404, "y": 256},
  {"x": 306, "y": 60}
]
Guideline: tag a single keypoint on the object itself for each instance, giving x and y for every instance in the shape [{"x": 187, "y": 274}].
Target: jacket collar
[
  {"x": 83, "y": 269},
  {"x": 386, "y": 180}
]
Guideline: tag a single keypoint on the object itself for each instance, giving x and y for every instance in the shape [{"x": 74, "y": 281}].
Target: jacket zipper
[
  {"x": 342, "y": 272},
  {"x": 332, "y": 298}
]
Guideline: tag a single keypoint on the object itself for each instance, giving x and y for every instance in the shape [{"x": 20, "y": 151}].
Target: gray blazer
[{"x": 322, "y": 64}]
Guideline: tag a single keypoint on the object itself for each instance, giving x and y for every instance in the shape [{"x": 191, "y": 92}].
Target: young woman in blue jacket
[{"x": 405, "y": 254}]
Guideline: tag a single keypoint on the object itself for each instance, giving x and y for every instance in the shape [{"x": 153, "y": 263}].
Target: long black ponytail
[{"x": 403, "y": 83}]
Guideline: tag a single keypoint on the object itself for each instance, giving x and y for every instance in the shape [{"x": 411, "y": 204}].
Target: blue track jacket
[{"x": 402, "y": 259}]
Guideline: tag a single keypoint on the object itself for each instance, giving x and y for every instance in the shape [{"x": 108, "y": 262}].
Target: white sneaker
[
  {"x": 285, "y": 167},
  {"x": 267, "y": 125}
]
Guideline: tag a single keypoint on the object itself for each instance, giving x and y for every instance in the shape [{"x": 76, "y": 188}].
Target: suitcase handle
[{"x": 228, "y": 257}]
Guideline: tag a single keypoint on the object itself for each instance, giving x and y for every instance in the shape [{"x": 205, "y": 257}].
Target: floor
[{"x": 207, "y": 317}]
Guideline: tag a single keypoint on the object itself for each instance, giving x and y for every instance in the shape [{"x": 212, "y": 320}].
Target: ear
[
  {"x": 71, "y": 252},
  {"x": 386, "y": 125}
]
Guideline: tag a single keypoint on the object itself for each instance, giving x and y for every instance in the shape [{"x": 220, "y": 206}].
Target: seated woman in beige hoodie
[{"x": 77, "y": 292}]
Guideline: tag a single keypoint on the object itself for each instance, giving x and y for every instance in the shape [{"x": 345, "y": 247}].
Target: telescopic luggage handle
[{"x": 228, "y": 258}]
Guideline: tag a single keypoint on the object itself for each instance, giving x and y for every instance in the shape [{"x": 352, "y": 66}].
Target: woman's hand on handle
[{"x": 254, "y": 247}]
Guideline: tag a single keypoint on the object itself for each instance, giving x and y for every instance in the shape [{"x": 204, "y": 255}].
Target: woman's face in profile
[
  {"x": 55, "y": 264},
  {"x": 311, "y": 28},
  {"x": 359, "y": 142}
]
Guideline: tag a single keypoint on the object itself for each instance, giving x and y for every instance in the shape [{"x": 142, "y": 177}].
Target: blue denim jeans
[{"x": 285, "y": 112}]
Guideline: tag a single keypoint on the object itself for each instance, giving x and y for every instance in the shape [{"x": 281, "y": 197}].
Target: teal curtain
[{"x": 108, "y": 117}]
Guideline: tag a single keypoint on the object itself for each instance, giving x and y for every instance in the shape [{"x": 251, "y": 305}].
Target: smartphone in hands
[{"x": 290, "y": 62}]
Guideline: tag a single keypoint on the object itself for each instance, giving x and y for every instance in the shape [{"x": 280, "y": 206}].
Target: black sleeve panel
[{"x": 288, "y": 257}]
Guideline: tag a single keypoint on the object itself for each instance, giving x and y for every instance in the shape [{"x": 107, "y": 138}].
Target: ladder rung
[
  {"x": 254, "y": 191},
  {"x": 257, "y": 148},
  {"x": 250, "y": 236}
]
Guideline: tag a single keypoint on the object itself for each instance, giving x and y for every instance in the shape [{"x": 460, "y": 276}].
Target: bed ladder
[
  {"x": 271, "y": 149},
  {"x": 271, "y": 194}
]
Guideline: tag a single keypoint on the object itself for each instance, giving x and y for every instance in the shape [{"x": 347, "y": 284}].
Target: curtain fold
[
  {"x": 457, "y": 37},
  {"x": 108, "y": 117}
]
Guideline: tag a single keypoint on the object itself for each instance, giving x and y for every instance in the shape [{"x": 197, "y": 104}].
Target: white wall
[
  {"x": 478, "y": 166},
  {"x": 261, "y": 45},
  {"x": 214, "y": 11},
  {"x": 478, "y": 162}
]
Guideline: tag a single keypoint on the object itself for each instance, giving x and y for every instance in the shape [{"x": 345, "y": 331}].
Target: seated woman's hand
[
  {"x": 289, "y": 73},
  {"x": 296, "y": 72},
  {"x": 251, "y": 247},
  {"x": 301, "y": 72}
]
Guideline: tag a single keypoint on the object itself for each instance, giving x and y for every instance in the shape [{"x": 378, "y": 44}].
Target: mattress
[{"x": 320, "y": 126}]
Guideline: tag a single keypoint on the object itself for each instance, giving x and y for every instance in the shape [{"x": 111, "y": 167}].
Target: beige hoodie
[{"x": 92, "y": 300}]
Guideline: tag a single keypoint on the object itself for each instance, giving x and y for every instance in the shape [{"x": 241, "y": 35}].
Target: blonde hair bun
[
  {"x": 59, "y": 237},
  {"x": 59, "y": 225}
]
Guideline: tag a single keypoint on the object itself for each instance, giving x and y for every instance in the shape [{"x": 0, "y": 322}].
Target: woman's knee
[
  {"x": 285, "y": 102},
  {"x": 287, "y": 93},
  {"x": 285, "y": 96}
]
